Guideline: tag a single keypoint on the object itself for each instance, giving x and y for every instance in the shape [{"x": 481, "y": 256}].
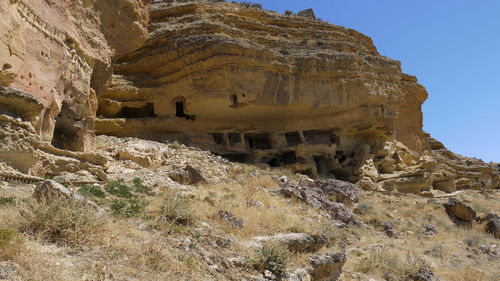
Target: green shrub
[
  {"x": 91, "y": 191},
  {"x": 127, "y": 207},
  {"x": 7, "y": 201},
  {"x": 177, "y": 210},
  {"x": 62, "y": 222},
  {"x": 10, "y": 243},
  {"x": 141, "y": 188},
  {"x": 274, "y": 258},
  {"x": 118, "y": 189},
  {"x": 284, "y": 52}
]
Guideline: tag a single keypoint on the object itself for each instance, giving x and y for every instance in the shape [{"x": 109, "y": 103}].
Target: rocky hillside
[{"x": 233, "y": 143}]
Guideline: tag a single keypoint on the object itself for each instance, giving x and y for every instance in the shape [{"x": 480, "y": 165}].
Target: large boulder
[
  {"x": 493, "y": 227},
  {"x": 189, "y": 175},
  {"x": 459, "y": 212},
  {"x": 309, "y": 192},
  {"x": 326, "y": 267},
  {"x": 341, "y": 191},
  {"x": 425, "y": 274}
]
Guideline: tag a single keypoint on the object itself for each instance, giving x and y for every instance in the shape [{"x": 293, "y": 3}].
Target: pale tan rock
[{"x": 60, "y": 51}]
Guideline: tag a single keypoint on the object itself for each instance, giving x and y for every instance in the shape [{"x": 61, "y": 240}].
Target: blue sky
[{"x": 452, "y": 46}]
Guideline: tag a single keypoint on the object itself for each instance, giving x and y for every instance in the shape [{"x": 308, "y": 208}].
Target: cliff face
[
  {"x": 60, "y": 52},
  {"x": 251, "y": 85},
  {"x": 233, "y": 63}
]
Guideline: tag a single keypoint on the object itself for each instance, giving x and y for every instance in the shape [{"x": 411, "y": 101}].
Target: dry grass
[
  {"x": 382, "y": 260},
  {"x": 468, "y": 274},
  {"x": 272, "y": 214},
  {"x": 63, "y": 222},
  {"x": 11, "y": 243}
]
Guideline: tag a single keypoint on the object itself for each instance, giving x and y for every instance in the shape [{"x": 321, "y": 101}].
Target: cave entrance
[
  {"x": 258, "y": 141},
  {"x": 292, "y": 138},
  {"x": 67, "y": 129},
  {"x": 238, "y": 157},
  {"x": 179, "y": 109},
  {"x": 322, "y": 165},
  {"x": 145, "y": 111},
  {"x": 234, "y": 138},
  {"x": 320, "y": 137}
]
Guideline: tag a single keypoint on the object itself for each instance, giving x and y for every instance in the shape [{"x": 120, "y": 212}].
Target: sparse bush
[
  {"x": 251, "y": 5},
  {"x": 469, "y": 274},
  {"x": 285, "y": 52},
  {"x": 91, "y": 191},
  {"x": 177, "y": 210},
  {"x": 363, "y": 209},
  {"x": 62, "y": 222},
  {"x": 7, "y": 201},
  {"x": 175, "y": 145},
  {"x": 385, "y": 260},
  {"x": 118, "y": 189},
  {"x": 10, "y": 243},
  {"x": 320, "y": 43},
  {"x": 288, "y": 13},
  {"x": 141, "y": 188},
  {"x": 127, "y": 207},
  {"x": 274, "y": 258}
]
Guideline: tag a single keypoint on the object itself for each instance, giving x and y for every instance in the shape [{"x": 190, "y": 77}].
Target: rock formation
[
  {"x": 60, "y": 52},
  {"x": 248, "y": 84},
  {"x": 259, "y": 87}
]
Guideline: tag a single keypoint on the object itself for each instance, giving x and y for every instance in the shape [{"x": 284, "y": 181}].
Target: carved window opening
[
  {"x": 320, "y": 137},
  {"x": 292, "y": 138},
  {"x": 234, "y": 138},
  {"x": 258, "y": 141},
  {"x": 234, "y": 100},
  {"x": 218, "y": 138},
  {"x": 179, "y": 109},
  {"x": 238, "y": 157},
  {"x": 288, "y": 158},
  {"x": 146, "y": 111}
]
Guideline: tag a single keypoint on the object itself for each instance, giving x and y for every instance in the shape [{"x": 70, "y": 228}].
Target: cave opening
[
  {"x": 179, "y": 109},
  {"x": 67, "y": 129},
  {"x": 258, "y": 141},
  {"x": 234, "y": 100},
  {"x": 218, "y": 138},
  {"x": 234, "y": 138},
  {"x": 145, "y": 111},
  {"x": 292, "y": 138}
]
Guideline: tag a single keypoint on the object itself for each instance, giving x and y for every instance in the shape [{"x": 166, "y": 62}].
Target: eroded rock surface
[{"x": 61, "y": 52}]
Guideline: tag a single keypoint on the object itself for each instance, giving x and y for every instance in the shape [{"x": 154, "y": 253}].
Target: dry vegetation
[{"x": 166, "y": 234}]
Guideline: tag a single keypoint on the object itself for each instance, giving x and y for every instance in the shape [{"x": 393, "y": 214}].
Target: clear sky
[{"x": 452, "y": 46}]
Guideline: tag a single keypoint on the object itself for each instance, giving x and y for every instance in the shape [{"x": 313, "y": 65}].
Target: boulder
[
  {"x": 425, "y": 274},
  {"x": 340, "y": 191},
  {"x": 326, "y": 267},
  {"x": 189, "y": 175},
  {"x": 49, "y": 191},
  {"x": 307, "y": 13},
  {"x": 295, "y": 242},
  {"x": 493, "y": 227},
  {"x": 459, "y": 212},
  {"x": 308, "y": 192},
  {"x": 231, "y": 219}
]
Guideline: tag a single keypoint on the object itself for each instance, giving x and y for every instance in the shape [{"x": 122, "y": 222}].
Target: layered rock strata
[
  {"x": 60, "y": 52},
  {"x": 287, "y": 91}
]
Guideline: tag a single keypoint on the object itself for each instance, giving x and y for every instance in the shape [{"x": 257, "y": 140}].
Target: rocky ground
[{"x": 171, "y": 212}]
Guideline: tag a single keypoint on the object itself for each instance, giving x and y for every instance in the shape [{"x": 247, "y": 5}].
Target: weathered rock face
[
  {"x": 261, "y": 87},
  {"x": 59, "y": 52}
]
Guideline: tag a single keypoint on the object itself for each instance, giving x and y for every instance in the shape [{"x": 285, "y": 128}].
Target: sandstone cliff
[
  {"x": 61, "y": 52},
  {"x": 248, "y": 84},
  {"x": 256, "y": 86}
]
